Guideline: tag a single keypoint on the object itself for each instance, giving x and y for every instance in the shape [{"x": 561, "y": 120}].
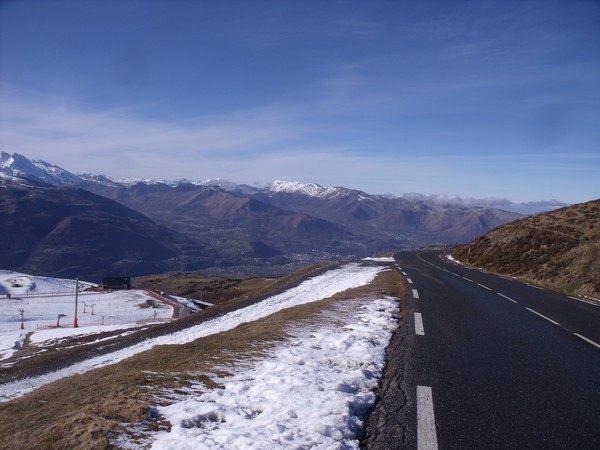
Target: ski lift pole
[
  {"x": 75, "y": 322},
  {"x": 22, "y": 312}
]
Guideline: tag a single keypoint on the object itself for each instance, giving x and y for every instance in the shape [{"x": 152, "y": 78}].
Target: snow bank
[
  {"x": 320, "y": 287},
  {"x": 387, "y": 259},
  {"x": 451, "y": 258},
  {"x": 312, "y": 391}
]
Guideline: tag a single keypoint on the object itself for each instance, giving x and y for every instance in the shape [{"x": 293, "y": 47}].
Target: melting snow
[
  {"x": 312, "y": 391},
  {"x": 320, "y": 287}
]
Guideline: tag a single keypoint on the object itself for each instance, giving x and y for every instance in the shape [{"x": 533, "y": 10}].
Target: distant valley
[{"x": 61, "y": 224}]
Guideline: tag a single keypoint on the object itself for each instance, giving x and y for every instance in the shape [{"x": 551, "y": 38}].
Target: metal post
[{"x": 75, "y": 322}]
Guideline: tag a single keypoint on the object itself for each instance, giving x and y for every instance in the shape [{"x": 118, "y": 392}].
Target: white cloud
[{"x": 307, "y": 142}]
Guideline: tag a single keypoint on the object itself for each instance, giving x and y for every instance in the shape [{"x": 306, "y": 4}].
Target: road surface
[{"x": 485, "y": 362}]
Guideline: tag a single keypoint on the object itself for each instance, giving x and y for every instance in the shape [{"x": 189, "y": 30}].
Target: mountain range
[{"x": 62, "y": 224}]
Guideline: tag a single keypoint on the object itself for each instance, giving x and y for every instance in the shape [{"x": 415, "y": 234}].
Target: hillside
[
  {"x": 236, "y": 228},
  {"x": 297, "y": 222},
  {"x": 398, "y": 223},
  {"x": 559, "y": 250},
  {"x": 67, "y": 232},
  {"x": 215, "y": 376}
]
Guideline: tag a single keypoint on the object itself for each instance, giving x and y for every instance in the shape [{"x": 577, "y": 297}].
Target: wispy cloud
[{"x": 265, "y": 144}]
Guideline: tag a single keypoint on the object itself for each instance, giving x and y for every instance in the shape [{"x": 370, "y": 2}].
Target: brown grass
[
  {"x": 196, "y": 285},
  {"x": 81, "y": 411},
  {"x": 558, "y": 250}
]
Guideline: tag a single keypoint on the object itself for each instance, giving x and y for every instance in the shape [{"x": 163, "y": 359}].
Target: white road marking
[
  {"x": 455, "y": 274},
  {"x": 507, "y": 298},
  {"x": 419, "y": 324},
  {"x": 589, "y": 302},
  {"x": 404, "y": 273},
  {"x": 415, "y": 293},
  {"x": 485, "y": 287},
  {"x": 542, "y": 316},
  {"x": 468, "y": 279},
  {"x": 409, "y": 280},
  {"x": 587, "y": 340},
  {"x": 536, "y": 287},
  {"x": 445, "y": 270},
  {"x": 426, "y": 435}
]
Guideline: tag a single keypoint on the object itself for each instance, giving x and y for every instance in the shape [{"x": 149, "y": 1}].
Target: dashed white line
[
  {"x": 485, "y": 287},
  {"x": 542, "y": 316},
  {"x": 587, "y": 340},
  {"x": 445, "y": 270},
  {"x": 468, "y": 279},
  {"x": 404, "y": 273},
  {"x": 419, "y": 324},
  {"x": 455, "y": 274},
  {"x": 426, "y": 435},
  {"x": 506, "y": 297},
  {"x": 415, "y": 293},
  {"x": 409, "y": 280}
]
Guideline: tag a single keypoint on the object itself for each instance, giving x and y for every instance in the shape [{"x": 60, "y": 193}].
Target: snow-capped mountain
[
  {"x": 308, "y": 189},
  {"x": 98, "y": 179},
  {"x": 19, "y": 166},
  {"x": 22, "y": 167}
]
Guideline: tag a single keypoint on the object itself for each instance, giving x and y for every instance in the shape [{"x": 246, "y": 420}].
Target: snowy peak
[
  {"x": 19, "y": 166},
  {"x": 102, "y": 180},
  {"x": 308, "y": 189}
]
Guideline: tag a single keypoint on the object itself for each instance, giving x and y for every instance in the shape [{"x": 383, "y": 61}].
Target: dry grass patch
[
  {"x": 212, "y": 289},
  {"x": 558, "y": 250},
  {"x": 82, "y": 411}
]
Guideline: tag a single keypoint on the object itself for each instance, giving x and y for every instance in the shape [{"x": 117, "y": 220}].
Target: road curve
[{"x": 488, "y": 362}]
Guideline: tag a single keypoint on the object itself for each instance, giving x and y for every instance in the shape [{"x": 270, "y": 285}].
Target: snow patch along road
[
  {"x": 320, "y": 287},
  {"x": 311, "y": 391}
]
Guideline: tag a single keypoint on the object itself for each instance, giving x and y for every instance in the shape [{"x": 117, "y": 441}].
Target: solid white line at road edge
[
  {"x": 585, "y": 301},
  {"x": 426, "y": 435},
  {"x": 586, "y": 339},
  {"x": 542, "y": 316},
  {"x": 415, "y": 293},
  {"x": 419, "y": 324}
]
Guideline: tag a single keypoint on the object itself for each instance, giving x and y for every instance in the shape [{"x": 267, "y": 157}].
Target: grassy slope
[
  {"x": 79, "y": 411},
  {"x": 559, "y": 250},
  {"x": 212, "y": 289}
]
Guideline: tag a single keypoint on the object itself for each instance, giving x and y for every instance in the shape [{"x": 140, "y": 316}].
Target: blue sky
[{"x": 478, "y": 98}]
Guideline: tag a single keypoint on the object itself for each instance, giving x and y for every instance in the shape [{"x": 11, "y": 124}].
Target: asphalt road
[{"x": 485, "y": 362}]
